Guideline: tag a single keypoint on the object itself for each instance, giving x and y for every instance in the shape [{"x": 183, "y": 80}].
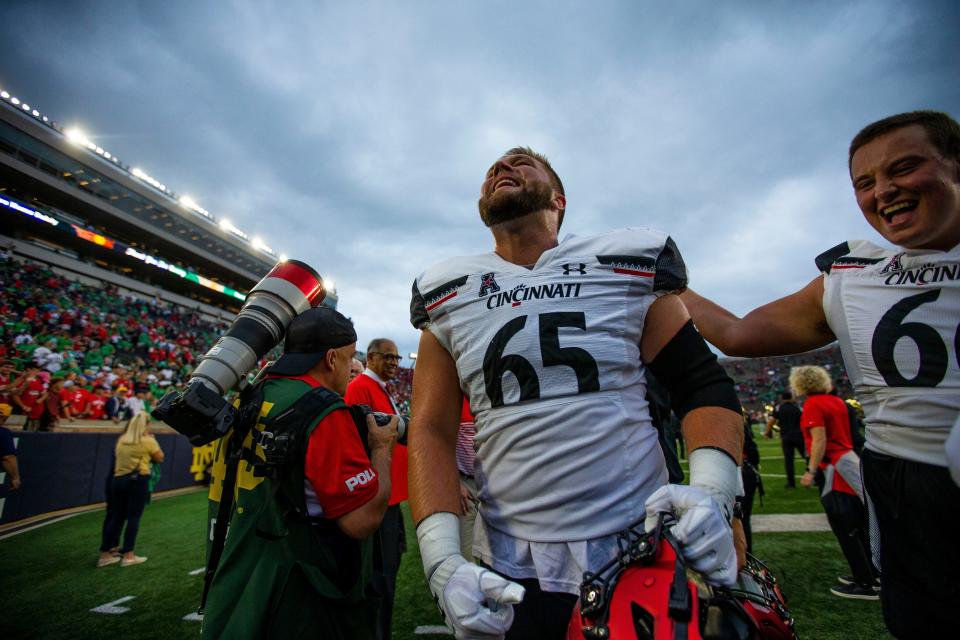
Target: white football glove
[
  {"x": 477, "y": 604},
  {"x": 703, "y": 511}
]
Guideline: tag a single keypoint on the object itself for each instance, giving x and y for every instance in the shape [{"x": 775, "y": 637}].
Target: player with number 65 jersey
[
  {"x": 549, "y": 357},
  {"x": 552, "y": 343}
]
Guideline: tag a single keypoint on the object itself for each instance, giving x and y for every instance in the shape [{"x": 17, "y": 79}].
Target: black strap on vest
[{"x": 282, "y": 438}]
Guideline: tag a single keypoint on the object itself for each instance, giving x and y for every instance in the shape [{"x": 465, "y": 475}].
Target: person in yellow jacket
[{"x": 135, "y": 450}]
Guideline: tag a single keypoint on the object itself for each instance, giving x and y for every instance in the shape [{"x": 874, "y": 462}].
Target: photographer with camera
[{"x": 313, "y": 483}]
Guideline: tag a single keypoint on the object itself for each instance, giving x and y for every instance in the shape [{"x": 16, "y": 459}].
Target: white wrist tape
[
  {"x": 716, "y": 473},
  {"x": 439, "y": 538}
]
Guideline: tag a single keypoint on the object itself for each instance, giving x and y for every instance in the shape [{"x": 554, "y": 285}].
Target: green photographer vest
[{"x": 282, "y": 574}]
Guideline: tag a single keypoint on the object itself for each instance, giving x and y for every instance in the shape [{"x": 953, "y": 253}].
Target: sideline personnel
[
  {"x": 551, "y": 341},
  {"x": 298, "y": 559},
  {"x": 895, "y": 313},
  {"x": 370, "y": 388}
]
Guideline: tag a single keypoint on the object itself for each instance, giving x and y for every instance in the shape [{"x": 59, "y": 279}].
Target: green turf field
[{"x": 50, "y": 583}]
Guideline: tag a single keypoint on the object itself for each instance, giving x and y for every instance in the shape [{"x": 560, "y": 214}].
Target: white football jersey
[
  {"x": 550, "y": 360},
  {"x": 896, "y": 314}
]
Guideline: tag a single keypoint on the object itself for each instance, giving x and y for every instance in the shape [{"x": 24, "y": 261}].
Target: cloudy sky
[{"x": 354, "y": 135}]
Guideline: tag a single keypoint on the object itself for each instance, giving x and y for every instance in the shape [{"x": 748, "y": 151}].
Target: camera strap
[
  {"x": 289, "y": 428},
  {"x": 250, "y": 400}
]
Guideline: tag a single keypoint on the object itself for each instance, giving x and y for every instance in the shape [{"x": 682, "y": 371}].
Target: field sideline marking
[
  {"x": 37, "y": 526},
  {"x": 111, "y": 608},
  {"x": 432, "y": 630},
  {"x": 197, "y": 572},
  {"x": 11, "y": 529}
]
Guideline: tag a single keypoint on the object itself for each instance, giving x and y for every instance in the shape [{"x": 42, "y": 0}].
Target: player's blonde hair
[{"x": 810, "y": 379}]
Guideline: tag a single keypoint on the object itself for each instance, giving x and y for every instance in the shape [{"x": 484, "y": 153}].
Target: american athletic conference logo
[
  {"x": 892, "y": 266},
  {"x": 488, "y": 284}
]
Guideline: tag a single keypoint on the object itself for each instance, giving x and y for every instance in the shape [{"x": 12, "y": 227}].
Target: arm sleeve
[
  {"x": 337, "y": 466},
  {"x": 418, "y": 309},
  {"x": 670, "y": 271}
]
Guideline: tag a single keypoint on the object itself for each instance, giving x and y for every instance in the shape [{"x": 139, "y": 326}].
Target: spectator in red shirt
[
  {"x": 8, "y": 379},
  {"x": 53, "y": 406},
  {"x": 30, "y": 397},
  {"x": 835, "y": 468},
  {"x": 370, "y": 388},
  {"x": 77, "y": 400},
  {"x": 97, "y": 405}
]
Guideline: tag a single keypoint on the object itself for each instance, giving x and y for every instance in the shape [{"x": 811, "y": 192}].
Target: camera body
[
  {"x": 361, "y": 411},
  {"x": 200, "y": 411}
]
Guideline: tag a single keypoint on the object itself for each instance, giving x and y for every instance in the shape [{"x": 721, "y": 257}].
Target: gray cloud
[{"x": 354, "y": 136}]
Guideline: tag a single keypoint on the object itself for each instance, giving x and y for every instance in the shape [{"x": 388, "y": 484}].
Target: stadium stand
[{"x": 761, "y": 380}]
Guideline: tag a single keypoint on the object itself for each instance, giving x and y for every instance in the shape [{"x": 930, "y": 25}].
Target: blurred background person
[
  {"x": 752, "y": 482},
  {"x": 8, "y": 449},
  {"x": 356, "y": 368},
  {"x": 370, "y": 388},
  {"x": 466, "y": 456},
  {"x": 787, "y": 415},
  {"x": 135, "y": 450},
  {"x": 835, "y": 469}
]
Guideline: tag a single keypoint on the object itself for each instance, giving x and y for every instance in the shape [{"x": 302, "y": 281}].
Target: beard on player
[{"x": 509, "y": 204}]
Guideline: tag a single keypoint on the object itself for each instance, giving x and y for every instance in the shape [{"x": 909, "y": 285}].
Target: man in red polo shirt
[{"x": 370, "y": 388}]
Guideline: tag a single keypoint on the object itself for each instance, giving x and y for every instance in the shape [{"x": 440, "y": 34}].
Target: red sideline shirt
[
  {"x": 30, "y": 397},
  {"x": 336, "y": 465},
  {"x": 830, "y": 412},
  {"x": 365, "y": 390}
]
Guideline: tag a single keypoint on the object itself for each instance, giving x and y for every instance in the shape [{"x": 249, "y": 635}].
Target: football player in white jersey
[
  {"x": 896, "y": 315},
  {"x": 550, "y": 341}
]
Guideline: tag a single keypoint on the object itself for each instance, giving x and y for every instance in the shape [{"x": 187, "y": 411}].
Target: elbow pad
[{"x": 692, "y": 375}]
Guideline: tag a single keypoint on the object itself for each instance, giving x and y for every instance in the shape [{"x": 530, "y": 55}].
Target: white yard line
[
  {"x": 111, "y": 608},
  {"x": 432, "y": 630}
]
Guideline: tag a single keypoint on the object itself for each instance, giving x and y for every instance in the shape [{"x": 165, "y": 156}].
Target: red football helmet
[{"x": 647, "y": 593}]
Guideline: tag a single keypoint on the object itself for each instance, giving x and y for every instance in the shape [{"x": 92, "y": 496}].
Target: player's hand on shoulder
[{"x": 702, "y": 529}]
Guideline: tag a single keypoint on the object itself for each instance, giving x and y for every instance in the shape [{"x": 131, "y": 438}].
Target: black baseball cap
[{"x": 309, "y": 336}]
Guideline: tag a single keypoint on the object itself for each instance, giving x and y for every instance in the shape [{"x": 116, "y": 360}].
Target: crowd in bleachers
[
  {"x": 104, "y": 352},
  {"x": 760, "y": 381},
  {"x": 100, "y": 342}
]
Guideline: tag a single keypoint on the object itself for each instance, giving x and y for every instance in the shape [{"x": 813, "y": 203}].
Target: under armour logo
[
  {"x": 893, "y": 265},
  {"x": 575, "y": 267},
  {"x": 488, "y": 284}
]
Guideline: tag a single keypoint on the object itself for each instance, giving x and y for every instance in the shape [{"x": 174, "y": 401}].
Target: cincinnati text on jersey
[
  {"x": 516, "y": 296},
  {"x": 924, "y": 274}
]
